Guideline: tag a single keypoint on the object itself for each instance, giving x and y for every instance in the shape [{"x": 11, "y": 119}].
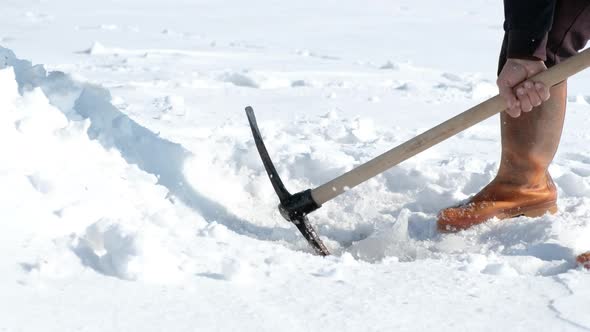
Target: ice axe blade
[
  {"x": 276, "y": 181},
  {"x": 293, "y": 208},
  {"x": 309, "y": 233}
]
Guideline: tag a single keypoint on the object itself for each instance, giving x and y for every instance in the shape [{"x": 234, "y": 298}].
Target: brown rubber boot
[
  {"x": 522, "y": 187},
  {"x": 584, "y": 260}
]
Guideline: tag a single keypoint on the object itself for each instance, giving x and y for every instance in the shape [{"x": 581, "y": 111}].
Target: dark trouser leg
[{"x": 570, "y": 31}]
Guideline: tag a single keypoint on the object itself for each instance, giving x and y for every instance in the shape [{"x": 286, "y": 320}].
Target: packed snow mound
[{"x": 87, "y": 198}]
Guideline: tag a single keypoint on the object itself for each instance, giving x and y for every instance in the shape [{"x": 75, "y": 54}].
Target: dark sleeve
[{"x": 527, "y": 23}]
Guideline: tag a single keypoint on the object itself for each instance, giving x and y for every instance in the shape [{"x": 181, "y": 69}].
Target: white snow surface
[{"x": 133, "y": 198}]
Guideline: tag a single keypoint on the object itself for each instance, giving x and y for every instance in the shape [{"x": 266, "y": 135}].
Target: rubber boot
[
  {"x": 584, "y": 260},
  {"x": 523, "y": 186}
]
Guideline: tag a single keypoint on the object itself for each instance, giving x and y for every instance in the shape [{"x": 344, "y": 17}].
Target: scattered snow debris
[
  {"x": 303, "y": 52},
  {"x": 96, "y": 49},
  {"x": 38, "y": 17},
  {"x": 236, "y": 270},
  {"x": 364, "y": 129},
  {"x": 110, "y": 248},
  {"x": 331, "y": 115},
  {"x": 348, "y": 259},
  {"x": 500, "y": 269},
  {"x": 452, "y": 77},
  {"x": 390, "y": 65},
  {"x": 216, "y": 231},
  {"x": 301, "y": 83},
  {"x": 573, "y": 185},
  {"x": 240, "y": 79},
  {"x": 406, "y": 86},
  {"x": 111, "y": 27},
  {"x": 170, "y": 105}
]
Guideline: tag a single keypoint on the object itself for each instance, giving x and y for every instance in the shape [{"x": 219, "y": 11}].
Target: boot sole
[
  {"x": 531, "y": 211},
  {"x": 535, "y": 211}
]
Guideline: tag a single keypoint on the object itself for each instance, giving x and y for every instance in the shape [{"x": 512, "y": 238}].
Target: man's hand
[{"x": 521, "y": 97}]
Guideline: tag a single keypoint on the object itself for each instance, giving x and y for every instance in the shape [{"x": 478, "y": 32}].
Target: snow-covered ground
[{"x": 133, "y": 198}]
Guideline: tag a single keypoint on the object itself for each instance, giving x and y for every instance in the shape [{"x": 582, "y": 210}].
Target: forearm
[{"x": 527, "y": 23}]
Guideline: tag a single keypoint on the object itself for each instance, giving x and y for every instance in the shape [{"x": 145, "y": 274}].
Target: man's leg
[{"x": 523, "y": 186}]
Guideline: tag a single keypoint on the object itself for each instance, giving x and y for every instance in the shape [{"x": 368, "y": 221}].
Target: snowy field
[{"x": 133, "y": 198}]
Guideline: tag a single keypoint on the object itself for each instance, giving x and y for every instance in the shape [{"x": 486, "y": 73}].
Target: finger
[
  {"x": 510, "y": 75},
  {"x": 506, "y": 91},
  {"x": 514, "y": 111},
  {"x": 532, "y": 93},
  {"x": 542, "y": 90},
  {"x": 523, "y": 97}
]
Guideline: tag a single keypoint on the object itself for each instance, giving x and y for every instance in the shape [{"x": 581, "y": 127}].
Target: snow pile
[{"x": 85, "y": 196}]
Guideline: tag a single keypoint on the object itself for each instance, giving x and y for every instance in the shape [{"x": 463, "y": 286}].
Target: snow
[{"x": 133, "y": 197}]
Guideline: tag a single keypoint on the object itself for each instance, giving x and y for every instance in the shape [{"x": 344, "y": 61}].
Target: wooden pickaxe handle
[{"x": 449, "y": 128}]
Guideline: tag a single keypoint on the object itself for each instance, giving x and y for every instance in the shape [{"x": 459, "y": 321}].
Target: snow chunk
[
  {"x": 364, "y": 129},
  {"x": 390, "y": 240},
  {"x": 171, "y": 104},
  {"x": 236, "y": 270},
  {"x": 240, "y": 79},
  {"x": 216, "y": 231},
  {"x": 132, "y": 254},
  {"x": 573, "y": 185},
  {"x": 500, "y": 269},
  {"x": 96, "y": 49},
  {"x": 390, "y": 65}
]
